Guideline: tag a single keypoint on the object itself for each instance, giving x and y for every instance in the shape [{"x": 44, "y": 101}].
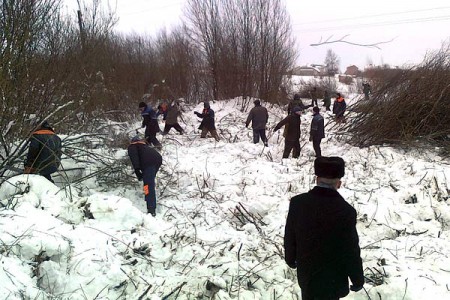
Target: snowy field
[{"x": 218, "y": 232}]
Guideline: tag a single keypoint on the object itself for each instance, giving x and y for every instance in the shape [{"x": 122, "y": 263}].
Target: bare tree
[
  {"x": 331, "y": 63},
  {"x": 247, "y": 44}
]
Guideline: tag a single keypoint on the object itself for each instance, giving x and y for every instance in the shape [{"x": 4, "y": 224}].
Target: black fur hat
[
  {"x": 142, "y": 104},
  {"x": 329, "y": 167}
]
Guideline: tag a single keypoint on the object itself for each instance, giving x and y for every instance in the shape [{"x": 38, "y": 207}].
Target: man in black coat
[
  {"x": 259, "y": 116},
  {"x": 292, "y": 136},
  {"x": 320, "y": 238},
  {"x": 207, "y": 124},
  {"x": 44, "y": 153},
  {"x": 296, "y": 102},
  {"x": 146, "y": 162},
  {"x": 150, "y": 122},
  {"x": 317, "y": 132}
]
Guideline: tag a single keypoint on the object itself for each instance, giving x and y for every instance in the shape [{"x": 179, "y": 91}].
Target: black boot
[{"x": 151, "y": 211}]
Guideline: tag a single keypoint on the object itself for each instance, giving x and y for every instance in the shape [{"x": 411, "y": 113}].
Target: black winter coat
[
  {"x": 293, "y": 127},
  {"x": 44, "y": 154},
  {"x": 259, "y": 116},
  {"x": 143, "y": 156},
  {"x": 322, "y": 241},
  {"x": 339, "y": 107},
  {"x": 208, "y": 119}
]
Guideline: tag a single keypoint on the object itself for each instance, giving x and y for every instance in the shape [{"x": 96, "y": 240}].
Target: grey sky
[{"x": 415, "y": 26}]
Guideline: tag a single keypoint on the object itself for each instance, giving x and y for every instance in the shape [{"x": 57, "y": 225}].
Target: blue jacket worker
[
  {"x": 146, "y": 162},
  {"x": 317, "y": 132},
  {"x": 320, "y": 238},
  {"x": 44, "y": 153}
]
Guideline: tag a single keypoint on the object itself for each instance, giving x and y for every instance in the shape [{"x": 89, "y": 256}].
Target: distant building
[
  {"x": 346, "y": 79},
  {"x": 352, "y": 71},
  {"x": 306, "y": 71}
]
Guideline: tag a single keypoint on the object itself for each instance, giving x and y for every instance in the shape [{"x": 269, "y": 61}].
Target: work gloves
[
  {"x": 28, "y": 170},
  {"x": 138, "y": 173},
  {"x": 355, "y": 288},
  {"x": 197, "y": 113}
]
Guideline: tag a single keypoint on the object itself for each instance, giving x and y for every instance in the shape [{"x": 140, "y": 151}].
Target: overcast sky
[{"x": 414, "y": 26}]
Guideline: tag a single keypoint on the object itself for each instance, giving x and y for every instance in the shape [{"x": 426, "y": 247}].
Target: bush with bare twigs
[{"x": 412, "y": 106}]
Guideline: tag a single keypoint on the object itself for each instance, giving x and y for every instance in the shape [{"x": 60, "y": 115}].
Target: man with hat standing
[
  {"x": 321, "y": 240},
  {"x": 259, "y": 116},
  {"x": 146, "y": 162},
  {"x": 317, "y": 132}
]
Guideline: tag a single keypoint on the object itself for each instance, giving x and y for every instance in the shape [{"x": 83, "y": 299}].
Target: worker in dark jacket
[
  {"x": 367, "y": 89},
  {"x": 292, "y": 138},
  {"x": 296, "y": 102},
  {"x": 317, "y": 132},
  {"x": 146, "y": 162},
  {"x": 326, "y": 100},
  {"x": 339, "y": 108},
  {"x": 173, "y": 112},
  {"x": 150, "y": 122},
  {"x": 44, "y": 153},
  {"x": 207, "y": 124},
  {"x": 259, "y": 116},
  {"x": 313, "y": 94},
  {"x": 320, "y": 238}
]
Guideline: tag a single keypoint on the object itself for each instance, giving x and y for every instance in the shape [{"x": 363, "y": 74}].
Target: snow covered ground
[{"x": 218, "y": 232}]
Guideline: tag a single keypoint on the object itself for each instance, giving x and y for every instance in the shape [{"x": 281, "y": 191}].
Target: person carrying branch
[
  {"x": 321, "y": 239},
  {"x": 146, "y": 162},
  {"x": 173, "y": 112},
  {"x": 44, "y": 152},
  {"x": 207, "y": 124},
  {"x": 259, "y": 116},
  {"x": 292, "y": 137}
]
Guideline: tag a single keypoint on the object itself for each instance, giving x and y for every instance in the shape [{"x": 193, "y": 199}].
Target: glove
[
  {"x": 293, "y": 266},
  {"x": 310, "y": 138},
  {"x": 246, "y": 125},
  {"x": 356, "y": 288},
  {"x": 197, "y": 113},
  {"x": 138, "y": 173},
  {"x": 28, "y": 170}
]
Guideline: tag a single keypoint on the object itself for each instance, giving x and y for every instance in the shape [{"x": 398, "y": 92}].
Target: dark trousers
[
  {"x": 288, "y": 146},
  {"x": 316, "y": 145},
  {"x": 152, "y": 140},
  {"x": 314, "y": 102},
  {"x": 259, "y": 133},
  {"x": 177, "y": 127},
  {"x": 212, "y": 131},
  {"x": 48, "y": 176},
  {"x": 308, "y": 296},
  {"x": 148, "y": 177}
]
